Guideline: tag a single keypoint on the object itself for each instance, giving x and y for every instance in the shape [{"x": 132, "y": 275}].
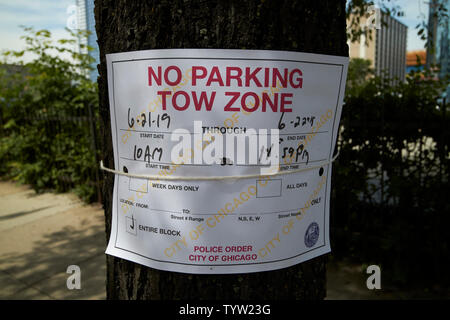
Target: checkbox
[
  {"x": 268, "y": 188},
  {"x": 138, "y": 185},
  {"x": 131, "y": 226}
]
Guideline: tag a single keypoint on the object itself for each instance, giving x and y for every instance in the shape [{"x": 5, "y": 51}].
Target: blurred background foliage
[
  {"x": 390, "y": 182},
  {"x": 47, "y": 116}
]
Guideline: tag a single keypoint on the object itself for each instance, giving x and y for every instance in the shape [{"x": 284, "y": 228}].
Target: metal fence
[
  {"x": 69, "y": 142},
  {"x": 390, "y": 189}
]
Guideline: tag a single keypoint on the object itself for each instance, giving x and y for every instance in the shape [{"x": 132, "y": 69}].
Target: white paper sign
[{"x": 163, "y": 99}]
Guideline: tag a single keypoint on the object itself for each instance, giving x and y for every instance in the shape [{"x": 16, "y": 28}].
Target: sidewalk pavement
[{"x": 40, "y": 236}]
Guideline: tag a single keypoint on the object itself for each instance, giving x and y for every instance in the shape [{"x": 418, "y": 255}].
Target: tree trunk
[{"x": 306, "y": 26}]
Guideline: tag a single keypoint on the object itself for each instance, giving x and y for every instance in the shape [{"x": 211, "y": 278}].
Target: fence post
[{"x": 94, "y": 148}]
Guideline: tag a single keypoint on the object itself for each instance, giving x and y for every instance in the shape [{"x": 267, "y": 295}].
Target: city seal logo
[{"x": 312, "y": 235}]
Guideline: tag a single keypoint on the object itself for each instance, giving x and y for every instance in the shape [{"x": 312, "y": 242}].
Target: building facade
[
  {"x": 438, "y": 48},
  {"x": 86, "y": 21},
  {"x": 386, "y": 49},
  {"x": 415, "y": 60}
]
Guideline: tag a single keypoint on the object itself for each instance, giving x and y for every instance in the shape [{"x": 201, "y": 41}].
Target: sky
[
  {"x": 40, "y": 14},
  {"x": 414, "y": 11},
  {"x": 54, "y": 16}
]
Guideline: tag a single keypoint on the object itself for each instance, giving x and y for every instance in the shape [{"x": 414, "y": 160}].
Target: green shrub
[
  {"x": 45, "y": 106},
  {"x": 394, "y": 149}
]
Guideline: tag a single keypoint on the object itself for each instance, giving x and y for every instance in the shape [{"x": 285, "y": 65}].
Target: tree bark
[{"x": 306, "y": 26}]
